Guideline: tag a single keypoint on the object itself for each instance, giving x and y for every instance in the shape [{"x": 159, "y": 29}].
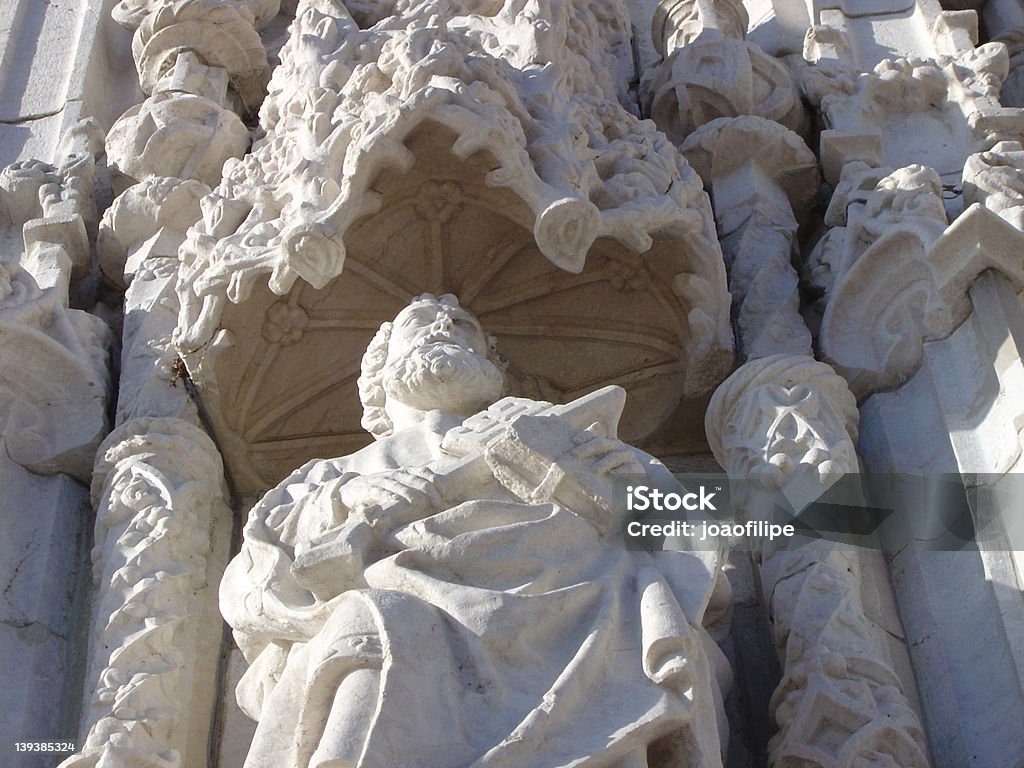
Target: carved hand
[
  {"x": 396, "y": 497},
  {"x": 604, "y": 455}
]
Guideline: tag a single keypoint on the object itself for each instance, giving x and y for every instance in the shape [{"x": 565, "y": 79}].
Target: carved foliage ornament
[
  {"x": 541, "y": 99},
  {"x": 156, "y": 488},
  {"x": 779, "y": 421},
  {"x": 895, "y": 276},
  {"x": 53, "y": 398}
]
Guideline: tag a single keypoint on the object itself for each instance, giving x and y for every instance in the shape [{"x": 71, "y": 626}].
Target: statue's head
[{"x": 435, "y": 355}]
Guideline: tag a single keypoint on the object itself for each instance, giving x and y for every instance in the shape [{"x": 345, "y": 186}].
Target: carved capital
[
  {"x": 148, "y": 221},
  {"x": 951, "y": 100},
  {"x": 131, "y": 13},
  {"x": 780, "y": 414}
]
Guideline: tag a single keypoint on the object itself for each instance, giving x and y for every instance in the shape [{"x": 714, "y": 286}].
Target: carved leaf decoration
[{"x": 881, "y": 312}]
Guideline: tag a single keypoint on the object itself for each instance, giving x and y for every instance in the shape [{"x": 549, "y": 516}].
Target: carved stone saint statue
[{"x": 456, "y": 593}]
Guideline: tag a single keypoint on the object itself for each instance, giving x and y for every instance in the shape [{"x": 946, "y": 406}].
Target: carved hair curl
[
  {"x": 371, "y": 387},
  {"x": 371, "y": 371}
]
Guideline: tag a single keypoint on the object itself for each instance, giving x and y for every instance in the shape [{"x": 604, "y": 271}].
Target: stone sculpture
[
  {"x": 481, "y": 539},
  {"x": 790, "y": 422}
]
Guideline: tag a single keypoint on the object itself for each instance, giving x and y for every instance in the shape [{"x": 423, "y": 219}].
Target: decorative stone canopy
[{"x": 474, "y": 156}]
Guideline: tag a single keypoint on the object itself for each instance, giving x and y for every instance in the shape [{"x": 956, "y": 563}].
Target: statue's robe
[{"x": 505, "y": 633}]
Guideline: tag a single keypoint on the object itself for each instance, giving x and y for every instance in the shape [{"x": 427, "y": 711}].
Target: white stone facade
[{"x": 779, "y": 239}]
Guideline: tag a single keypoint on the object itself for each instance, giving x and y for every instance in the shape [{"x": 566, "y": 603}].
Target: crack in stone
[
  {"x": 31, "y": 624},
  {"x": 775, "y": 586},
  {"x": 31, "y": 118},
  {"x": 15, "y": 573}
]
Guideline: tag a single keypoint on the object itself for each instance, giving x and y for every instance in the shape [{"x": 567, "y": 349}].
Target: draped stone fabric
[{"x": 530, "y": 637}]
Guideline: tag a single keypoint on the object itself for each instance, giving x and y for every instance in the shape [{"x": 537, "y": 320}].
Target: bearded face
[
  {"x": 437, "y": 359},
  {"x": 445, "y": 376}
]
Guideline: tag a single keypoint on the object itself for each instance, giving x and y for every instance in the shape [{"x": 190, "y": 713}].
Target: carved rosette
[
  {"x": 777, "y": 422},
  {"x": 158, "y": 489}
]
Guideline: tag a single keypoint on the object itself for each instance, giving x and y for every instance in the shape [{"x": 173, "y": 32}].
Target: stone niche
[{"x": 279, "y": 383}]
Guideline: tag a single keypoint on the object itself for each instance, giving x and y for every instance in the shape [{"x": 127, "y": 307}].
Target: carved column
[
  {"x": 781, "y": 422},
  {"x": 138, "y": 250},
  {"x": 895, "y": 289},
  {"x": 163, "y": 524},
  {"x": 732, "y": 109},
  {"x": 761, "y": 177},
  {"x": 710, "y": 71},
  {"x": 200, "y": 62},
  {"x": 158, "y": 489}
]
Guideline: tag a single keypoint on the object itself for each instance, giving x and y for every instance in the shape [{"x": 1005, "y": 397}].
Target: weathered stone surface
[
  {"x": 789, "y": 423},
  {"x": 550, "y": 234},
  {"x": 54, "y": 389},
  {"x": 486, "y": 545},
  {"x": 895, "y": 276},
  {"x": 762, "y": 179},
  {"x": 710, "y": 72},
  {"x": 496, "y": 149},
  {"x": 151, "y": 680},
  {"x": 42, "y": 571},
  {"x": 967, "y": 650}
]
